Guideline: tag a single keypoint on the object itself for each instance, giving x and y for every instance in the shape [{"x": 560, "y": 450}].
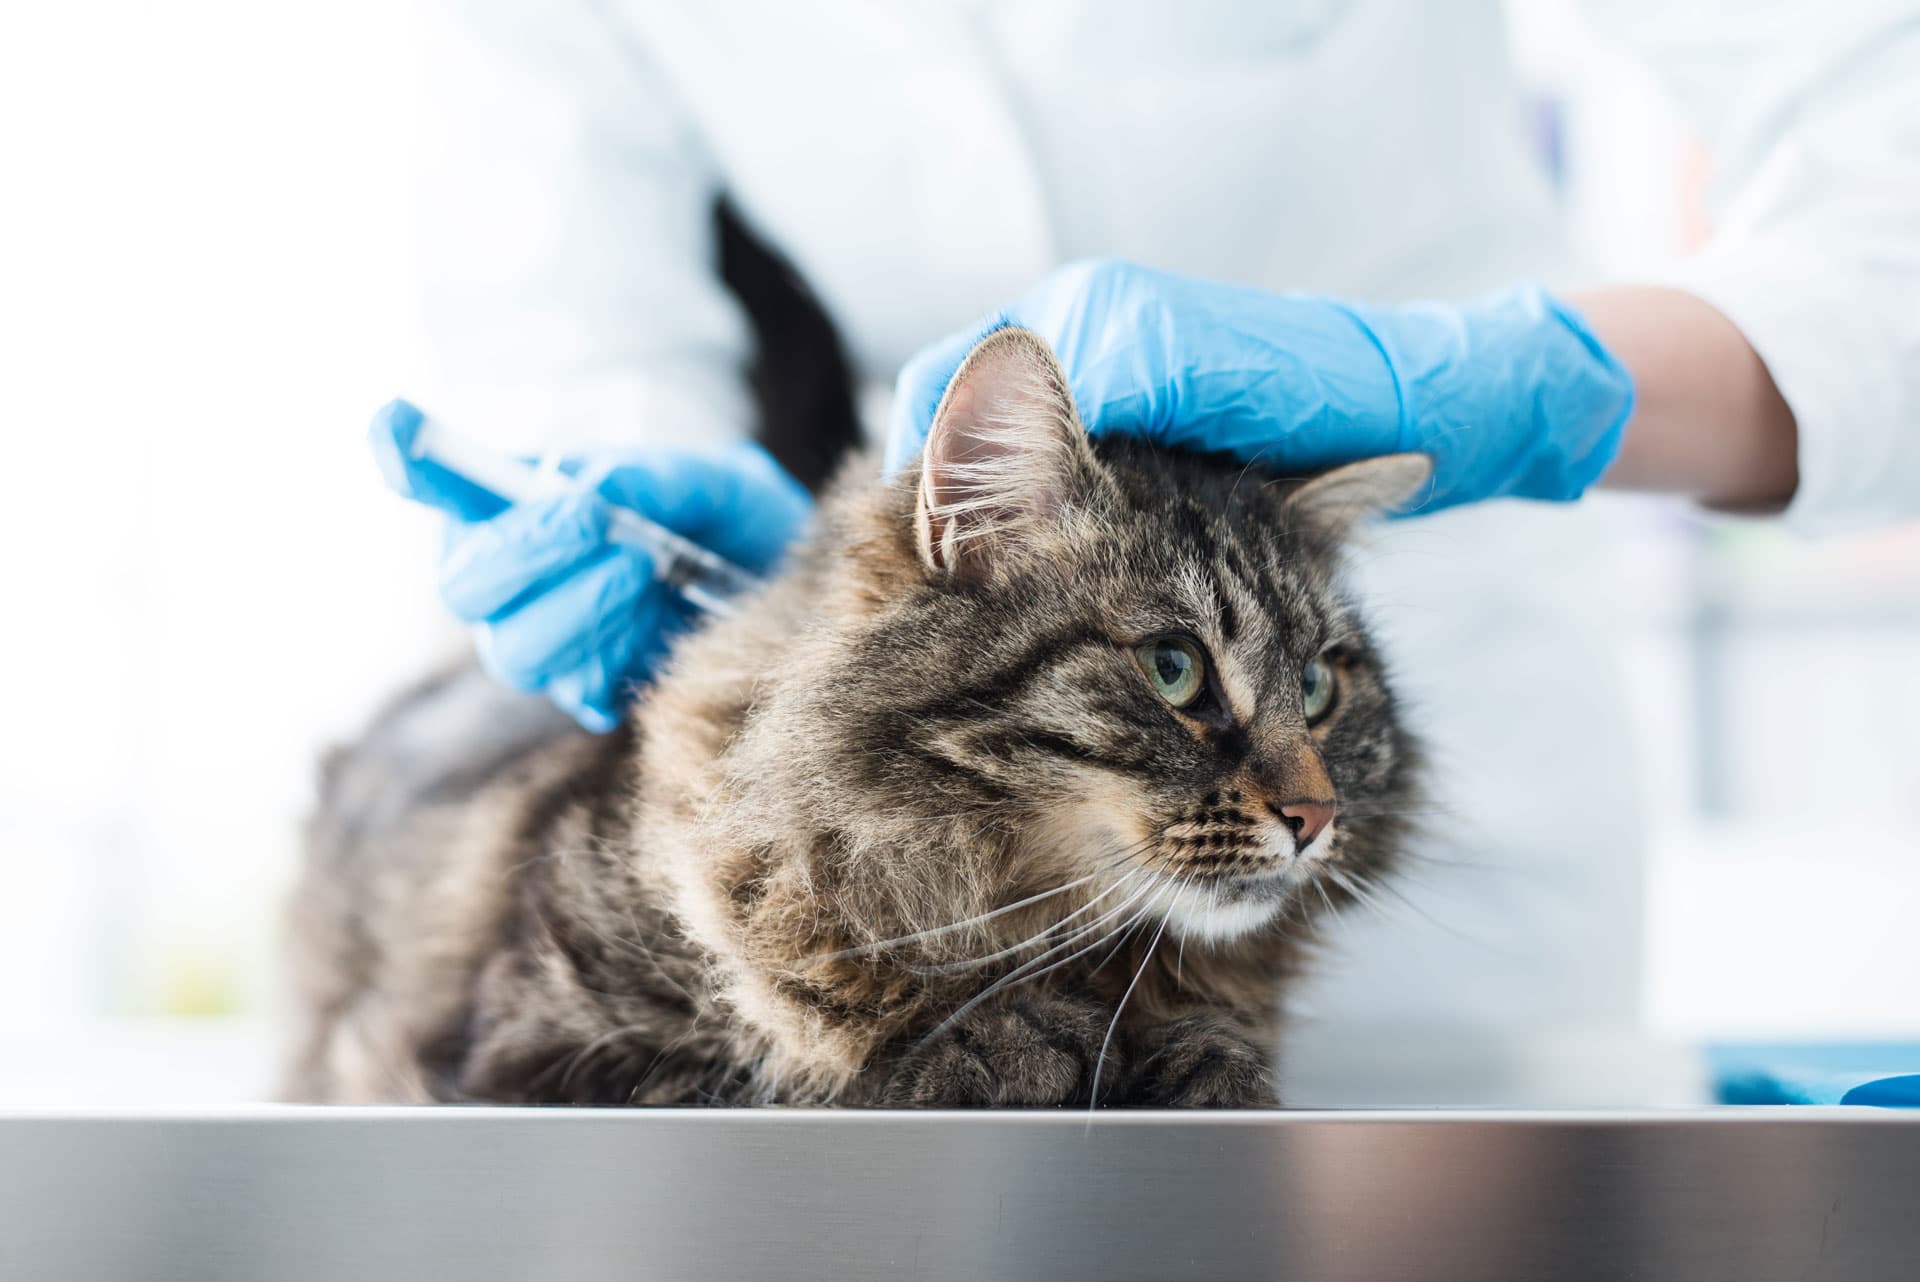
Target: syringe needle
[{"x": 406, "y": 442}]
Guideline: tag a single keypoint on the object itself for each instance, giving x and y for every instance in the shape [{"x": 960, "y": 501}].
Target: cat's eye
[
  {"x": 1174, "y": 667},
  {"x": 1316, "y": 688}
]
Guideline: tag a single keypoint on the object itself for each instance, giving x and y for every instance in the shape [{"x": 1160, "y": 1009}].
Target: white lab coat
[{"x": 923, "y": 163}]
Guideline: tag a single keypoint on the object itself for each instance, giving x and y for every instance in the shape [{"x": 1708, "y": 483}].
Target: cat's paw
[
  {"x": 1202, "y": 1061},
  {"x": 1036, "y": 1051}
]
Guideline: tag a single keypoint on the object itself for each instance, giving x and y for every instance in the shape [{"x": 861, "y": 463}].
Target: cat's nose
[
  {"x": 1305, "y": 819},
  {"x": 1294, "y": 787}
]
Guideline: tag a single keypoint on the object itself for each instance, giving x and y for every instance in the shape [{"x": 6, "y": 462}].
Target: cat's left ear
[
  {"x": 1004, "y": 460},
  {"x": 1335, "y": 501}
]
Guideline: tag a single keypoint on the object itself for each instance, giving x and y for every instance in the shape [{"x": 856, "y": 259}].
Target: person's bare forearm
[{"x": 1707, "y": 420}]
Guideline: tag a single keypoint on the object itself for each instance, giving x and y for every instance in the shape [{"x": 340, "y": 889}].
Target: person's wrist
[{"x": 1583, "y": 419}]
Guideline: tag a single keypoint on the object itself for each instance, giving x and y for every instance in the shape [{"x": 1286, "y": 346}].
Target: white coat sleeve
[
  {"x": 1811, "y": 112},
  {"x": 566, "y": 236}
]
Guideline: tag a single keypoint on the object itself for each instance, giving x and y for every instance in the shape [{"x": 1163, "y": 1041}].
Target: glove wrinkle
[{"x": 1512, "y": 395}]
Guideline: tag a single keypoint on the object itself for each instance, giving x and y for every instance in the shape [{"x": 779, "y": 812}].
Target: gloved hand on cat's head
[
  {"x": 1511, "y": 395},
  {"x": 560, "y": 610}
]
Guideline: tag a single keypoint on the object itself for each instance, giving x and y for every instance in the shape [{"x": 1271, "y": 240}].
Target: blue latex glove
[
  {"x": 1885, "y": 1075},
  {"x": 560, "y": 610},
  {"x": 1511, "y": 395}
]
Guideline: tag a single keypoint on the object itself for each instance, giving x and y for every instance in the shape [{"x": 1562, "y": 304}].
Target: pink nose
[{"x": 1307, "y": 819}]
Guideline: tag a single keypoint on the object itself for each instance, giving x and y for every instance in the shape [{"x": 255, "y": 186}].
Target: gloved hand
[
  {"x": 1511, "y": 395},
  {"x": 559, "y": 609}
]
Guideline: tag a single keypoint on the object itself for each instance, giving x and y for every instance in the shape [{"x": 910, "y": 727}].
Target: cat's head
[{"x": 1118, "y": 663}]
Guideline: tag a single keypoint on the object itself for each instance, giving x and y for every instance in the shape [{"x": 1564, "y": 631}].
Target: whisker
[
  {"x": 1360, "y": 895},
  {"x": 1180, "y": 961},
  {"x": 1088, "y": 927},
  {"x": 862, "y": 949},
  {"x": 1454, "y": 931},
  {"x": 1359, "y": 811},
  {"x": 946, "y": 968},
  {"x": 1015, "y": 978},
  {"x": 1325, "y": 898},
  {"x": 1120, "y": 936},
  {"x": 1180, "y": 958},
  {"x": 1076, "y": 936},
  {"x": 1173, "y": 892},
  {"x": 1025, "y": 971},
  {"x": 1123, "y": 855},
  {"x": 1100, "y": 1061},
  {"x": 1127, "y": 852},
  {"x": 1138, "y": 916}
]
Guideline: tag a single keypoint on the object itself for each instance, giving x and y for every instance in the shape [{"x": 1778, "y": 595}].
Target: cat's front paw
[
  {"x": 1037, "y": 1051},
  {"x": 1202, "y": 1061}
]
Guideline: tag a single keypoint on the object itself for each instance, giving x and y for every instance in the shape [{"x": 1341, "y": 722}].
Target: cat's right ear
[{"x": 1004, "y": 460}]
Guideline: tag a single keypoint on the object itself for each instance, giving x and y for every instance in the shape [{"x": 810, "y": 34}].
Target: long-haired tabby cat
[{"x": 1022, "y": 785}]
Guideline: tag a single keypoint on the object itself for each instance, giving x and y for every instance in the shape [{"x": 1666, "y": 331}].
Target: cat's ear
[
  {"x": 1335, "y": 501},
  {"x": 1005, "y": 458}
]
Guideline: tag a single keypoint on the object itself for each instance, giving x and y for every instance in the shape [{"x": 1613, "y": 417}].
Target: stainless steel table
[{"x": 1744, "y": 1195}]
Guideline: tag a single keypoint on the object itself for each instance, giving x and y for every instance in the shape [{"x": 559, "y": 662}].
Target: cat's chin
[{"x": 1225, "y": 910}]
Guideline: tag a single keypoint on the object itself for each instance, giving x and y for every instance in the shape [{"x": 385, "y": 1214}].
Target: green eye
[
  {"x": 1174, "y": 667},
  {"x": 1316, "y": 687}
]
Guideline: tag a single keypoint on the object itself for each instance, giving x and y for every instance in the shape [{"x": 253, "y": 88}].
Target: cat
[{"x": 1024, "y": 784}]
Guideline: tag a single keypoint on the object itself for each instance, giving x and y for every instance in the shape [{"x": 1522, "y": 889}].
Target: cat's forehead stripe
[
  {"x": 1238, "y": 675},
  {"x": 1199, "y": 595}
]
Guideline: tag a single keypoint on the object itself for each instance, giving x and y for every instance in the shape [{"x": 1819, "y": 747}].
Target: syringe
[{"x": 423, "y": 460}]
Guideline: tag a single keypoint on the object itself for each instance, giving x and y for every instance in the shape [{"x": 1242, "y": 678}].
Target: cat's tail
[{"x": 802, "y": 383}]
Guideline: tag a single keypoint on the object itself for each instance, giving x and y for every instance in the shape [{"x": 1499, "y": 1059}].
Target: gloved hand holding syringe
[{"x": 575, "y": 574}]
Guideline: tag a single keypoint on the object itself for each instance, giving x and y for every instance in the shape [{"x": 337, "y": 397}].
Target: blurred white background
[
  {"x": 205, "y": 289},
  {"x": 204, "y": 292}
]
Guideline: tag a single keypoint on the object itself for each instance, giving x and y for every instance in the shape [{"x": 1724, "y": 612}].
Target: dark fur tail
[{"x": 801, "y": 380}]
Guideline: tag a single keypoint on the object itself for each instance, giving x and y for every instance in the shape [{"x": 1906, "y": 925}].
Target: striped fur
[{"x": 913, "y": 829}]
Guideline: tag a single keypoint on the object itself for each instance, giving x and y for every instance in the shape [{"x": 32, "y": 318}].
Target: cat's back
[{"x": 408, "y": 880}]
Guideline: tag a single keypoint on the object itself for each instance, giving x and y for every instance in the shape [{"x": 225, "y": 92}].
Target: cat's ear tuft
[
  {"x": 1337, "y": 500},
  {"x": 1005, "y": 458}
]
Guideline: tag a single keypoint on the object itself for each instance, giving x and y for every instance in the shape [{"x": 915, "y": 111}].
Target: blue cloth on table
[{"x": 1884, "y": 1075}]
